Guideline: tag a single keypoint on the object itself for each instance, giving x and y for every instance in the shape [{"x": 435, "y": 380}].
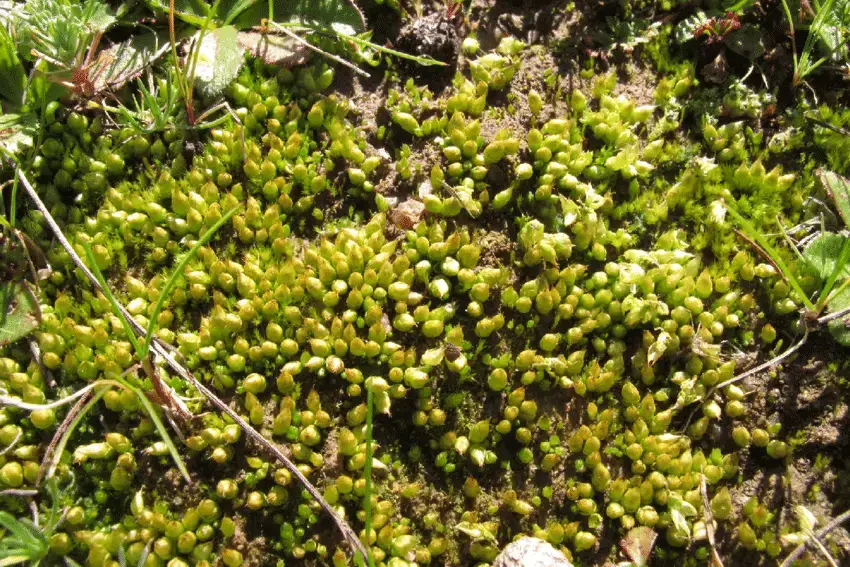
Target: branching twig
[
  {"x": 761, "y": 367},
  {"x": 823, "y": 532}
]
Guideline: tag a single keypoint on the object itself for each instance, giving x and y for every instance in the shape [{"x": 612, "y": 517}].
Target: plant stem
[
  {"x": 63, "y": 433},
  {"x": 13, "y": 206},
  {"x": 792, "y": 33},
  {"x": 308, "y": 45},
  {"x": 761, "y": 367}
]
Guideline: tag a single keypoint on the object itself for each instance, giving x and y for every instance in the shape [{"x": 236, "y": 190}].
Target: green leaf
[
  {"x": 737, "y": 6},
  {"x": 192, "y": 12},
  {"x": 12, "y": 74},
  {"x": 97, "y": 16},
  {"x": 823, "y": 252},
  {"x": 20, "y": 312},
  {"x": 746, "y": 41},
  {"x": 838, "y": 188},
  {"x": 219, "y": 60},
  {"x": 17, "y": 132},
  {"x": 831, "y": 23},
  {"x": 160, "y": 428},
  {"x": 840, "y": 331},
  {"x": 342, "y": 16},
  {"x": 824, "y": 257},
  {"x": 125, "y": 61},
  {"x": 273, "y": 49}
]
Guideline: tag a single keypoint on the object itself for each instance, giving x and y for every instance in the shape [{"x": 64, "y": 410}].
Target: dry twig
[{"x": 162, "y": 352}]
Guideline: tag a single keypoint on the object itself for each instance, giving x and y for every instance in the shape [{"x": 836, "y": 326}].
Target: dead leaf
[{"x": 273, "y": 49}]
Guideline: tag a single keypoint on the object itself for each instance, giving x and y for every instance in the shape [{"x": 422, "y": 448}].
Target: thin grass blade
[
  {"x": 175, "y": 274},
  {"x": 108, "y": 294},
  {"x": 163, "y": 433},
  {"x": 756, "y": 235}
]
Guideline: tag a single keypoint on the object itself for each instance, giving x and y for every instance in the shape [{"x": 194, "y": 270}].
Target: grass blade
[
  {"x": 416, "y": 58},
  {"x": 175, "y": 274},
  {"x": 754, "y": 233},
  {"x": 840, "y": 264},
  {"x": 163, "y": 433},
  {"x": 108, "y": 294},
  {"x": 21, "y": 532}
]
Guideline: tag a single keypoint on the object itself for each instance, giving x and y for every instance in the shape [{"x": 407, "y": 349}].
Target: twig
[
  {"x": 13, "y": 443},
  {"x": 318, "y": 50},
  {"x": 709, "y": 522},
  {"x": 16, "y": 402},
  {"x": 833, "y": 316},
  {"x": 828, "y": 126},
  {"x": 823, "y": 551},
  {"x": 163, "y": 353},
  {"x": 24, "y": 492},
  {"x": 772, "y": 362},
  {"x": 823, "y": 532},
  {"x": 761, "y": 367},
  {"x": 761, "y": 251},
  {"x": 47, "y": 461}
]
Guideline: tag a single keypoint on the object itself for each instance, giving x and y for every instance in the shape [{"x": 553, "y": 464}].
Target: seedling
[
  {"x": 822, "y": 29},
  {"x": 28, "y": 541}
]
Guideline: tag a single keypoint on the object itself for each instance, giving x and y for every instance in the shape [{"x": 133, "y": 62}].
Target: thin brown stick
[
  {"x": 764, "y": 366},
  {"x": 18, "y": 492},
  {"x": 294, "y": 36},
  {"x": 709, "y": 522},
  {"x": 341, "y": 524},
  {"x": 761, "y": 367},
  {"x": 163, "y": 353},
  {"x": 763, "y": 252},
  {"x": 46, "y": 462},
  {"x": 823, "y": 532},
  {"x": 832, "y": 316}
]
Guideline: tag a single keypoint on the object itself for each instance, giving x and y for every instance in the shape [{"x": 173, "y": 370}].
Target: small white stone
[{"x": 531, "y": 552}]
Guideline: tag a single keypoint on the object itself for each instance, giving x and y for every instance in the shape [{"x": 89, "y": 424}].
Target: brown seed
[{"x": 452, "y": 352}]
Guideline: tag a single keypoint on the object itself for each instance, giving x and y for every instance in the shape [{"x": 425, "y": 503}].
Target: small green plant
[
  {"x": 828, "y": 28},
  {"x": 155, "y": 107},
  {"x": 827, "y": 256},
  {"x": 25, "y": 541}
]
